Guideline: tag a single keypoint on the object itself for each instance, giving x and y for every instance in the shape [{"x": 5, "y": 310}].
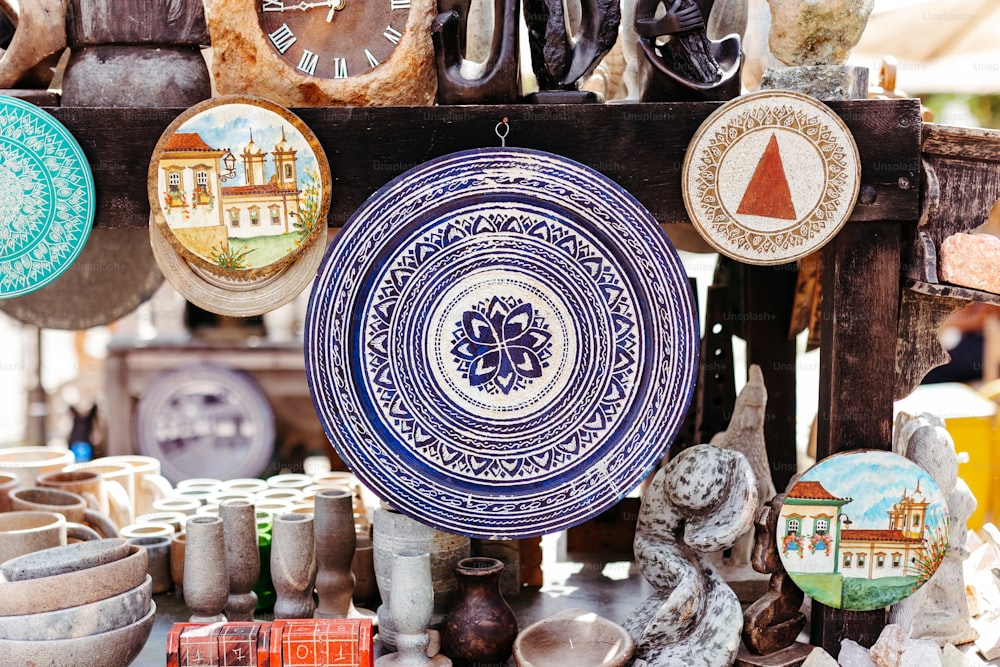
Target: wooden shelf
[
  {"x": 953, "y": 292},
  {"x": 640, "y": 146}
]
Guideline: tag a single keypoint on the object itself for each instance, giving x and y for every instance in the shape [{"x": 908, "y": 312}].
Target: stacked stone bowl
[{"x": 87, "y": 604}]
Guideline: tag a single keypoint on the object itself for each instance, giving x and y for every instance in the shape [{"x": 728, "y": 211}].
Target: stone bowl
[
  {"x": 116, "y": 648},
  {"x": 72, "y": 589},
  {"x": 573, "y": 637},
  {"x": 64, "y": 559},
  {"x": 94, "y": 618}
]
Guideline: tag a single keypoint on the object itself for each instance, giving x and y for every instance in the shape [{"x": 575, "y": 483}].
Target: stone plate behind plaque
[
  {"x": 239, "y": 190},
  {"x": 113, "y": 275},
  {"x": 501, "y": 342},
  {"x": 862, "y": 530},
  {"x": 771, "y": 177},
  {"x": 46, "y": 198}
]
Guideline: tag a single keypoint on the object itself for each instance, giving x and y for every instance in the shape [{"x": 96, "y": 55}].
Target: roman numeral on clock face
[
  {"x": 274, "y": 5},
  {"x": 392, "y": 34},
  {"x": 340, "y": 68},
  {"x": 399, "y": 4},
  {"x": 282, "y": 38},
  {"x": 372, "y": 60},
  {"x": 308, "y": 62}
]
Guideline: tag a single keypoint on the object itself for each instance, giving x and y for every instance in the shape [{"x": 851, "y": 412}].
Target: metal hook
[{"x": 502, "y": 129}]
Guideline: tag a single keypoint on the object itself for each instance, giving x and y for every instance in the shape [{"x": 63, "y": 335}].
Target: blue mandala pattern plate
[
  {"x": 46, "y": 198},
  {"x": 501, "y": 343}
]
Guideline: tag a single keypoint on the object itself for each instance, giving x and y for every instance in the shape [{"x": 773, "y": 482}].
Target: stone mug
[
  {"x": 150, "y": 485},
  {"x": 29, "y": 462},
  {"x": 119, "y": 481},
  {"x": 8, "y": 482},
  {"x": 24, "y": 532},
  {"x": 85, "y": 483},
  {"x": 70, "y": 505}
]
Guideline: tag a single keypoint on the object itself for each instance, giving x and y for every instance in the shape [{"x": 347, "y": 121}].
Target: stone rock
[
  {"x": 888, "y": 649},
  {"x": 41, "y": 33},
  {"x": 952, "y": 657},
  {"x": 920, "y": 653},
  {"x": 971, "y": 260},
  {"x": 243, "y": 62},
  {"x": 816, "y": 32},
  {"x": 824, "y": 82},
  {"x": 853, "y": 654},
  {"x": 819, "y": 658},
  {"x": 988, "y": 642}
]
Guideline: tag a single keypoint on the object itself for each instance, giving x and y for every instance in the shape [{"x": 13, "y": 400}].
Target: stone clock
[{"x": 325, "y": 52}]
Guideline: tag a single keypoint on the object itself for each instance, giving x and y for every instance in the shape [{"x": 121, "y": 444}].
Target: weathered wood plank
[
  {"x": 640, "y": 146},
  {"x": 857, "y": 364}
]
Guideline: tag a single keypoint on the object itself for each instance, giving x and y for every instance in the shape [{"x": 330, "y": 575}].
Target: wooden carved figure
[
  {"x": 677, "y": 60},
  {"x": 774, "y": 621},
  {"x": 700, "y": 502},
  {"x": 939, "y": 610},
  {"x": 561, "y": 60},
  {"x": 462, "y": 81}
]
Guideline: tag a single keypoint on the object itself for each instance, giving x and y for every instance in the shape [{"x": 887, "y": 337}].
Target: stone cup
[
  {"x": 119, "y": 482},
  {"x": 150, "y": 485},
  {"x": 85, "y": 483},
  {"x": 157, "y": 560},
  {"x": 26, "y": 532},
  {"x": 8, "y": 482},
  {"x": 30, "y": 462},
  {"x": 70, "y": 505}
]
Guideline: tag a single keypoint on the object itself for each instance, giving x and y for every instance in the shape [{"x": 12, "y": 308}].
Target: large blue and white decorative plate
[
  {"x": 501, "y": 343},
  {"x": 46, "y": 198}
]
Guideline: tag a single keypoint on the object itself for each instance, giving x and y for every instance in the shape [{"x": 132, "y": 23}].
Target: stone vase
[
  {"x": 206, "y": 582},
  {"x": 412, "y": 606},
  {"x": 293, "y": 565},
  {"x": 336, "y": 540},
  {"x": 239, "y": 526},
  {"x": 177, "y": 543},
  {"x": 480, "y": 627},
  {"x": 8, "y": 482},
  {"x": 394, "y": 532}
]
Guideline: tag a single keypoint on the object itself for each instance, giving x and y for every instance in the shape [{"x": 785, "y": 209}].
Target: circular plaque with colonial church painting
[
  {"x": 862, "y": 530},
  {"x": 771, "y": 177},
  {"x": 239, "y": 190}
]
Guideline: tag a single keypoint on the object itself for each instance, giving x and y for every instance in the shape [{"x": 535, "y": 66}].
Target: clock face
[{"x": 333, "y": 39}]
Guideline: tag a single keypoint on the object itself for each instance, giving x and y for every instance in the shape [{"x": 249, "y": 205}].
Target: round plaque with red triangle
[{"x": 771, "y": 177}]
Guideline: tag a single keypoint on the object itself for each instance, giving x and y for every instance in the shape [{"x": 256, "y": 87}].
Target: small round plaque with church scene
[
  {"x": 239, "y": 190},
  {"x": 771, "y": 177},
  {"x": 862, "y": 530}
]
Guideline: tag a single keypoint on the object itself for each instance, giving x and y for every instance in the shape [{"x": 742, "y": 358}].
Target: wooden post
[
  {"x": 770, "y": 292},
  {"x": 861, "y": 285}
]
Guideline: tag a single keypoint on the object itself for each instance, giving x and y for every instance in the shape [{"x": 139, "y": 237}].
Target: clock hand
[{"x": 334, "y": 6}]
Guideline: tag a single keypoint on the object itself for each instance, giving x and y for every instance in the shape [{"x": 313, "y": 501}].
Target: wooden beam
[{"x": 640, "y": 146}]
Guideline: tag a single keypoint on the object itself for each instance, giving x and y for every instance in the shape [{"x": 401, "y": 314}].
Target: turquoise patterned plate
[{"x": 46, "y": 198}]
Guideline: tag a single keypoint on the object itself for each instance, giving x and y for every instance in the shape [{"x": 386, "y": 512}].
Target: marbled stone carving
[
  {"x": 939, "y": 610},
  {"x": 745, "y": 435},
  {"x": 971, "y": 260},
  {"x": 700, "y": 502}
]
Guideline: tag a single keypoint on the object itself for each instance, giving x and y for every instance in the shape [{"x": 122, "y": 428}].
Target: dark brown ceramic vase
[{"x": 480, "y": 627}]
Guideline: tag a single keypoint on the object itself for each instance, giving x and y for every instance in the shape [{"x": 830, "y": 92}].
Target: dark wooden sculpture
[
  {"x": 562, "y": 61},
  {"x": 495, "y": 81},
  {"x": 774, "y": 621},
  {"x": 681, "y": 62}
]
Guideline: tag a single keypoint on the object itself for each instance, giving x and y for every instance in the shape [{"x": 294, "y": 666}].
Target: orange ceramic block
[{"x": 324, "y": 642}]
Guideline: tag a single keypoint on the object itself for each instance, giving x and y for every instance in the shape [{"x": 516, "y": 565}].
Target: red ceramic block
[
  {"x": 234, "y": 644},
  {"x": 322, "y": 642}
]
